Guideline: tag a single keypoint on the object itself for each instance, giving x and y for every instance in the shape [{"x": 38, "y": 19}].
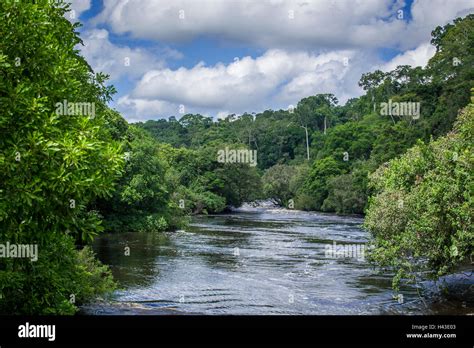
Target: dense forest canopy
[{"x": 63, "y": 179}]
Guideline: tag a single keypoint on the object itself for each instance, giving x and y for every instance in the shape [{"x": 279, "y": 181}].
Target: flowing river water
[{"x": 260, "y": 261}]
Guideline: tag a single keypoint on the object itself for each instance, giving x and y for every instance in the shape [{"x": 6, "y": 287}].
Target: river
[{"x": 259, "y": 261}]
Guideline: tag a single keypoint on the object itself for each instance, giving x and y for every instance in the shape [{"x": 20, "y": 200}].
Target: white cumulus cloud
[
  {"x": 417, "y": 57},
  {"x": 275, "y": 79},
  {"x": 309, "y": 47},
  {"x": 119, "y": 61},
  {"x": 284, "y": 23}
]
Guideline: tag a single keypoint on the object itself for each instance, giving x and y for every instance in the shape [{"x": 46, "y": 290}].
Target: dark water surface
[{"x": 258, "y": 261}]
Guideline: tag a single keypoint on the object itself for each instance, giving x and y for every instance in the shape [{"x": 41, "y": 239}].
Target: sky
[{"x": 220, "y": 57}]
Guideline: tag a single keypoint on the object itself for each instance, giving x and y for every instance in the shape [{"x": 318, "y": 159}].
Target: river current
[{"x": 260, "y": 261}]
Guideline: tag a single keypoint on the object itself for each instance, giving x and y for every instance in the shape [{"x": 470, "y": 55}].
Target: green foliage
[
  {"x": 317, "y": 111},
  {"x": 421, "y": 214},
  {"x": 240, "y": 183},
  {"x": 61, "y": 279},
  {"x": 355, "y": 138},
  {"x": 201, "y": 201},
  {"x": 316, "y": 185},
  {"x": 142, "y": 200},
  {"x": 200, "y": 184},
  {"x": 277, "y": 183},
  {"x": 51, "y": 165},
  {"x": 347, "y": 193}
]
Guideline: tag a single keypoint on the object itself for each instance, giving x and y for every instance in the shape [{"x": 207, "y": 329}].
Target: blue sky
[{"x": 218, "y": 57}]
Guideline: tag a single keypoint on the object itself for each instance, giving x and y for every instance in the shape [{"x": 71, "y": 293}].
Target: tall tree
[{"x": 53, "y": 160}]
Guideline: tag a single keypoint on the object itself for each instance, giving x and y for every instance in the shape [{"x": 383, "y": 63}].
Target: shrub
[{"x": 421, "y": 214}]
